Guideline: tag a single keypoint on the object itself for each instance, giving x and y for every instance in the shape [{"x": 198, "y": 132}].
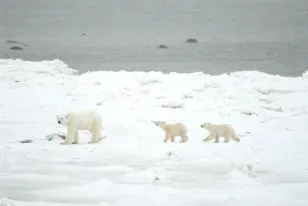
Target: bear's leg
[
  {"x": 96, "y": 131},
  {"x": 184, "y": 137},
  {"x": 95, "y": 136},
  {"x": 167, "y": 136},
  {"x": 76, "y": 138},
  {"x": 172, "y": 138},
  {"x": 92, "y": 140},
  {"x": 69, "y": 136},
  {"x": 234, "y": 137},
  {"x": 227, "y": 138},
  {"x": 210, "y": 137},
  {"x": 207, "y": 138},
  {"x": 216, "y": 138}
]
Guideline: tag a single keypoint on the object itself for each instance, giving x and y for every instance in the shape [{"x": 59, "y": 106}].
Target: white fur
[
  {"x": 172, "y": 130},
  {"x": 220, "y": 130},
  {"x": 81, "y": 120}
]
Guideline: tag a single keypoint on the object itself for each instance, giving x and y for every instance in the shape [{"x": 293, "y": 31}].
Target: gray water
[{"x": 233, "y": 35}]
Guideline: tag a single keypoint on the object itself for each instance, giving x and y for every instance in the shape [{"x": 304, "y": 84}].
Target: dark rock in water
[
  {"x": 83, "y": 34},
  {"x": 26, "y": 141},
  {"x": 16, "y": 48},
  {"x": 191, "y": 40},
  {"x": 162, "y": 46},
  {"x": 11, "y": 41}
]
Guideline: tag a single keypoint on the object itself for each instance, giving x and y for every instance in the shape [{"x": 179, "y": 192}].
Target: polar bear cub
[
  {"x": 172, "y": 130},
  {"x": 89, "y": 120},
  {"x": 220, "y": 130}
]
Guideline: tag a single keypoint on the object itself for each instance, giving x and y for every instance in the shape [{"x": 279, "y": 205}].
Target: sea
[{"x": 112, "y": 35}]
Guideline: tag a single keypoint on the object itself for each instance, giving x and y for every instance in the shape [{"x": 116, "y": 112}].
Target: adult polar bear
[
  {"x": 89, "y": 120},
  {"x": 220, "y": 130}
]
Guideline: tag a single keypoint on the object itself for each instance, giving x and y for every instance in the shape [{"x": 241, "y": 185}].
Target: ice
[{"x": 132, "y": 165}]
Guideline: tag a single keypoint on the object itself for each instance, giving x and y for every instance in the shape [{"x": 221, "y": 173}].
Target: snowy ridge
[{"x": 132, "y": 165}]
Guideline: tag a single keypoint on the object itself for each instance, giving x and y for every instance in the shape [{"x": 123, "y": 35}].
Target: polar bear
[
  {"x": 81, "y": 120},
  {"x": 172, "y": 130},
  {"x": 220, "y": 130}
]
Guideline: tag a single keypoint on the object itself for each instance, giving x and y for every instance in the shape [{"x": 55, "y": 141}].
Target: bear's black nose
[
  {"x": 59, "y": 122},
  {"x": 200, "y": 125}
]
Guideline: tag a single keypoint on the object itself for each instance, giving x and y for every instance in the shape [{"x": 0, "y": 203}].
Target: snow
[{"x": 132, "y": 165}]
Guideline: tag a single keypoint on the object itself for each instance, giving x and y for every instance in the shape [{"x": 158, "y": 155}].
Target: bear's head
[
  {"x": 159, "y": 123},
  {"x": 206, "y": 125},
  {"x": 63, "y": 119}
]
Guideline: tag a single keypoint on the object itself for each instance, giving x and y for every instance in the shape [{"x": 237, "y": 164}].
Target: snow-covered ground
[{"x": 132, "y": 166}]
